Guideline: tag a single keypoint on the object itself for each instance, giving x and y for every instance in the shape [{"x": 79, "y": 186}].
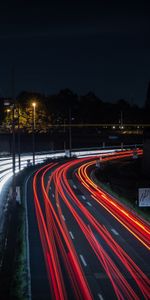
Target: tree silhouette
[{"x": 24, "y": 114}]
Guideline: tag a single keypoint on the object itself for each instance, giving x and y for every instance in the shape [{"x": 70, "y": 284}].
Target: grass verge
[
  {"x": 19, "y": 286},
  {"x": 117, "y": 183}
]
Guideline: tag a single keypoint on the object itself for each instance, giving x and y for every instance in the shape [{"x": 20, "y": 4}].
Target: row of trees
[
  {"x": 24, "y": 118},
  {"x": 54, "y": 110}
]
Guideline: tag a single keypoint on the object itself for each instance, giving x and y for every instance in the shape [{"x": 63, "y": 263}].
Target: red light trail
[{"x": 58, "y": 246}]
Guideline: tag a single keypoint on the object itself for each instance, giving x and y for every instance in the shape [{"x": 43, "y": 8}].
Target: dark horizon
[{"x": 89, "y": 46}]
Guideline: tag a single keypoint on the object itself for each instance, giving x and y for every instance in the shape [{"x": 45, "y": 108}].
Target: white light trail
[{"x": 6, "y": 162}]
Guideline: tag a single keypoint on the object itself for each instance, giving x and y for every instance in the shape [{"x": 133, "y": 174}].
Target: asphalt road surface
[{"x": 84, "y": 244}]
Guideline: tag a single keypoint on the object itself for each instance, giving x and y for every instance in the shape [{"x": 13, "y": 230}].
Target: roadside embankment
[
  {"x": 13, "y": 270},
  {"x": 122, "y": 180}
]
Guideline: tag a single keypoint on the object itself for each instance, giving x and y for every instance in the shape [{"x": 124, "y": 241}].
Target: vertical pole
[
  {"x": 34, "y": 115},
  {"x": 70, "y": 134},
  {"x": 19, "y": 160},
  {"x": 121, "y": 119},
  {"x": 13, "y": 140},
  {"x": 33, "y": 133},
  {"x": 64, "y": 136},
  {"x": 13, "y": 157}
]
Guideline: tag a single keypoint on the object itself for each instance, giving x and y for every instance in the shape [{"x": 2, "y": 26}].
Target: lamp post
[
  {"x": 8, "y": 110},
  {"x": 121, "y": 120},
  {"x": 13, "y": 138},
  {"x": 33, "y": 131},
  {"x": 13, "y": 148},
  {"x": 64, "y": 135},
  {"x": 13, "y": 155},
  {"x": 19, "y": 152},
  {"x": 70, "y": 134}
]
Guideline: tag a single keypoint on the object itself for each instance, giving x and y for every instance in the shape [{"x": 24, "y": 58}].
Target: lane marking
[
  {"x": 74, "y": 186},
  {"x": 57, "y": 204},
  {"x": 63, "y": 217},
  {"x": 89, "y": 204},
  {"x": 100, "y": 296},
  {"x": 114, "y": 231},
  {"x": 53, "y": 195},
  {"x": 71, "y": 234},
  {"x": 83, "y": 260},
  {"x": 83, "y": 197}
]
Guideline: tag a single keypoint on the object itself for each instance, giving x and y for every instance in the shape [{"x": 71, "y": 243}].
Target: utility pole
[
  {"x": 64, "y": 135},
  {"x": 19, "y": 158},
  {"x": 13, "y": 140},
  {"x": 121, "y": 119},
  {"x": 70, "y": 134},
  {"x": 33, "y": 131}
]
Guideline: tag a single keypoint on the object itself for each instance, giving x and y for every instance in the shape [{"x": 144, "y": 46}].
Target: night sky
[{"x": 93, "y": 45}]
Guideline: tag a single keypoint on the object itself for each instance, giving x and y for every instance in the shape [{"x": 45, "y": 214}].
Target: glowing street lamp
[
  {"x": 34, "y": 105},
  {"x": 33, "y": 130},
  {"x": 8, "y": 123}
]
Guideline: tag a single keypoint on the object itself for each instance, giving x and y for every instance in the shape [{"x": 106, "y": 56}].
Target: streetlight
[
  {"x": 19, "y": 152},
  {"x": 34, "y": 105},
  {"x": 70, "y": 134},
  {"x": 121, "y": 120},
  {"x": 33, "y": 131},
  {"x": 13, "y": 154},
  {"x": 64, "y": 134},
  {"x": 8, "y": 122},
  {"x": 13, "y": 150},
  {"x": 13, "y": 114}
]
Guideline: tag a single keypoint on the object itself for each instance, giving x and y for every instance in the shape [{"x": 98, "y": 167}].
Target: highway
[
  {"x": 83, "y": 243},
  {"x": 6, "y": 161}
]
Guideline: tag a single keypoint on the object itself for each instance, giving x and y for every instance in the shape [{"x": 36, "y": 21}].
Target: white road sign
[{"x": 144, "y": 197}]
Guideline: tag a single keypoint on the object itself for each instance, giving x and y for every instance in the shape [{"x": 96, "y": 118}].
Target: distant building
[{"x": 6, "y": 101}]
